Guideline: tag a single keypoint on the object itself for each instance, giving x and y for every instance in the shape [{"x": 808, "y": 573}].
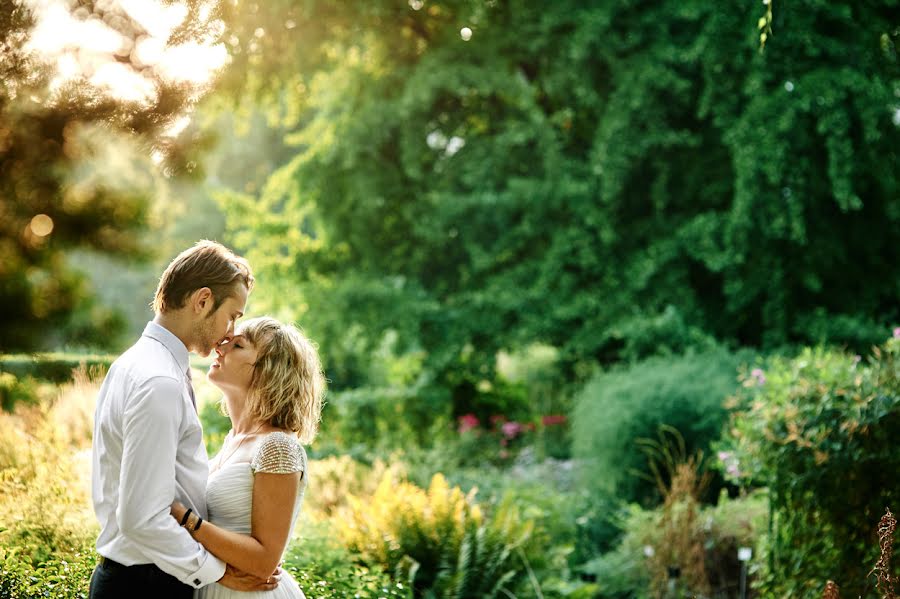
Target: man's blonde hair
[
  {"x": 207, "y": 264},
  {"x": 287, "y": 387}
]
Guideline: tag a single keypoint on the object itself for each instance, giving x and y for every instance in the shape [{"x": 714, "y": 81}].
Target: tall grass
[{"x": 46, "y": 524}]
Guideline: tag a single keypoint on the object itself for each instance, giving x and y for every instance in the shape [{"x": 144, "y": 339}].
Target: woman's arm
[{"x": 259, "y": 552}]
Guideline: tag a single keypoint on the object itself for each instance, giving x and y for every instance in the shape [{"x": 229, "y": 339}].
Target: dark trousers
[{"x": 115, "y": 581}]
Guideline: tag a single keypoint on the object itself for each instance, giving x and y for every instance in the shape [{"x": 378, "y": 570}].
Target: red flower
[
  {"x": 553, "y": 420},
  {"x": 467, "y": 422}
]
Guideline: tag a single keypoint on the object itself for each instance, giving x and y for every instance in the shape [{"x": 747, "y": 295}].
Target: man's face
[{"x": 218, "y": 325}]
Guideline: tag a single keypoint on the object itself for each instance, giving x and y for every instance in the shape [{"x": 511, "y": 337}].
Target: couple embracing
[{"x": 174, "y": 524}]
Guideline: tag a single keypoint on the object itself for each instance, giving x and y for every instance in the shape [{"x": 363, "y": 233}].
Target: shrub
[
  {"x": 438, "y": 539},
  {"x": 339, "y": 477},
  {"x": 64, "y": 576},
  {"x": 545, "y": 494},
  {"x": 383, "y": 419},
  {"x": 820, "y": 431},
  {"x": 16, "y": 391},
  {"x": 620, "y": 406},
  {"x": 325, "y": 569},
  {"x": 654, "y": 540}
]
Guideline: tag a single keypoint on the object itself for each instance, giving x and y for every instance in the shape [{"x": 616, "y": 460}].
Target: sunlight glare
[
  {"x": 160, "y": 20},
  {"x": 124, "y": 82},
  {"x": 148, "y": 51},
  {"x": 177, "y": 126},
  {"x": 90, "y": 49},
  {"x": 192, "y": 62}
]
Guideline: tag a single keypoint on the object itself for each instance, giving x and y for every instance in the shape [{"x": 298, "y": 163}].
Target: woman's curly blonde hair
[{"x": 287, "y": 387}]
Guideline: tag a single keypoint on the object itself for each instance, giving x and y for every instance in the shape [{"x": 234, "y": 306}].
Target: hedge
[{"x": 52, "y": 367}]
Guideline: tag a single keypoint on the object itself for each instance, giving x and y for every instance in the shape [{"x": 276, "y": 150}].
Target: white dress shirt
[{"x": 148, "y": 451}]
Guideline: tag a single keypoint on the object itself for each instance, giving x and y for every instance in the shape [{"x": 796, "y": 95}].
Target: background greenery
[{"x": 569, "y": 257}]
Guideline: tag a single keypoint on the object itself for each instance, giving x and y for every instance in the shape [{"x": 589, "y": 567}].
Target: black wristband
[
  {"x": 199, "y": 522},
  {"x": 186, "y": 515}
]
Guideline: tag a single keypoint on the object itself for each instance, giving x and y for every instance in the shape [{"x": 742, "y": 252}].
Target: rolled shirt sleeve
[{"x": 151, "y": 427}]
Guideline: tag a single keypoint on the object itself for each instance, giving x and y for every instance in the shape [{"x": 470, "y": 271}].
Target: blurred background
[{"x": 606, "y": 292}]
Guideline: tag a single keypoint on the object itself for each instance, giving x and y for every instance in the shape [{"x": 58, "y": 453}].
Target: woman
[{"x": 273, "y": 385}]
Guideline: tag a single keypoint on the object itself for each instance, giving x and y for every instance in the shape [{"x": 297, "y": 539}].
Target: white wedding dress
[{"x": 229, "y": 499}]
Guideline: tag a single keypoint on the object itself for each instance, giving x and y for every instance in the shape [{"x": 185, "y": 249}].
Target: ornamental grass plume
[
  {"x": 832, "y": 591},
  {"x": 681, "y": 481},
  {"x": 882, "y": 569}
]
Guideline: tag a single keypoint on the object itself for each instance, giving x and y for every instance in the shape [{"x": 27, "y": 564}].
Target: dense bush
[
  {"x": 383, "y": 419},
  {"x": 325, "y": 569},
  {"x": 16, "y": 391},
  {"x": 439, "y": 540},
  {"x": 64, "y": 576},
  {"x": 620, "y": 406},
  {"x": 336, "y": 478},
  {"x": 546, "y": 493},
  {"x": 821, "y": 431}
]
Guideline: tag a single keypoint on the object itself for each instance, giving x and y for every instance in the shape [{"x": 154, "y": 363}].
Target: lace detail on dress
[{"x": 279, "y": 453}]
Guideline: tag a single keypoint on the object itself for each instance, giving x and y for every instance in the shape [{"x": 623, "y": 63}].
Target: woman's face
[{"x": 233, "y": 367}]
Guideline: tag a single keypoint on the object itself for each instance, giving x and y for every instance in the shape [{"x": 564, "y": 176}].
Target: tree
[
  {"x": 614, "y": 180},
  {"x": 81, "y": 90}
]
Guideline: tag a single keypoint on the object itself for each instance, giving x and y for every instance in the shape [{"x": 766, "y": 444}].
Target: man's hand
[{"x": 237, "y": 580}]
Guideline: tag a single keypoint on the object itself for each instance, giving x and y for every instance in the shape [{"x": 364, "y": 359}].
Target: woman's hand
[{"x": 178, "y": 510}]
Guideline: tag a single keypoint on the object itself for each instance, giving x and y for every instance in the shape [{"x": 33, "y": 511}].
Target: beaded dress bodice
[{"x": 229, "y": 492}]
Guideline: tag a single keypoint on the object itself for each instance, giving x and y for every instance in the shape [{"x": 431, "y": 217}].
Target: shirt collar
[{"x": 171, "y": 342}]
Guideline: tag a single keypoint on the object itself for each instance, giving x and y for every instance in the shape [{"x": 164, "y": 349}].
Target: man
[{"x": 148, "y": 444}]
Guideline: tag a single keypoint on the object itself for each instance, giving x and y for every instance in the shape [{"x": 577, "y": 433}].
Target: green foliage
[
  {"x": 16, "y": 391},
  {"x": 546, "y": 493},
  {"x": 46, "y": 530},
  {"x": 383, "y": 419},
  {"x": 215, "y": 426},
  {"x": 621, "y": 406},
  {"x": 59, "y": 577},
  {"x": 626, "y": 571},
  {"x": 615, "y": 180},
  {"x": 820, "y": 430},
  {"x": 53, "y": 367},
  {"x": 438, "y": 540},
  {"x": 325, "y": 569}
]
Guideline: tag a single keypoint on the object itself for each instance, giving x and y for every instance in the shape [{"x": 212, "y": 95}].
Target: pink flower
[
  {"x": 511, "y": 429},
  {"x": 724, "y": 456},
  {"x": 759, "y": 375},
  {"x": 553, "y": 420},
  {"x": 467, "y": 422},
  {"x": 897, "y": 333}
]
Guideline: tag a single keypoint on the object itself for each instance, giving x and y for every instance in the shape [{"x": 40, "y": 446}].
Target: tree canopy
[
  {"x": 75, "y": 169},
  {"x": 613, "y": 180}
]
